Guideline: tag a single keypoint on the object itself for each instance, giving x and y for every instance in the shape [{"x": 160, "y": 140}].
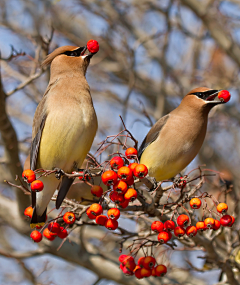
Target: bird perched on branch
[
  {"x": 64, "y": 125},
  {"x": 175, "y": 139}
]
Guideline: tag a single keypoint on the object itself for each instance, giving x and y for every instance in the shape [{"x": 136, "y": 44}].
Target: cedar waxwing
[
  {"x": 175, "y": 139},
  {"x": 64, "y": 125}
]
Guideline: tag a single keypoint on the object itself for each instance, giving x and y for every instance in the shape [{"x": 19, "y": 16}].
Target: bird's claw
[{"x": 59, "y": 173}]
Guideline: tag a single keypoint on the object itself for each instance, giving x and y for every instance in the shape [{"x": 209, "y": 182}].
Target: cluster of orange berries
[
  {"x": 145, "y": 266},
  {"x": 30, "y": 177},
  {"x": 182, "y": 228},
  {"x": 53, "y": 230}
]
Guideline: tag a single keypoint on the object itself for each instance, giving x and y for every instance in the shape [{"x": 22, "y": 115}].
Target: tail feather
[
  {"x": 38, "y": 220},
  {"x": 63, "y": 189}
]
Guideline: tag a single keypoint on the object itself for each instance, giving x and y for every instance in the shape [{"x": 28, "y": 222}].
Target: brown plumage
[
  {"x": 64, "y": 125},
  {"x": 175, "y": 139}
]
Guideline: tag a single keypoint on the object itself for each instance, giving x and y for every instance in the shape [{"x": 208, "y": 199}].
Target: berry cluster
[
  {"x": 145, "y": 267},
  {"x": 30, "y": 177}
]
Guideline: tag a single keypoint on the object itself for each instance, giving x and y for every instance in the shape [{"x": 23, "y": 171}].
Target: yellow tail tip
[{"x": 32, "y": 226}]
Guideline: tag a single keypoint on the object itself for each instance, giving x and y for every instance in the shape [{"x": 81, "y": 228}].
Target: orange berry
[
  {"x": 140, "y": 171},
  {"x": 183, "y": 220},
  {"x": 36, "y": 236},
  {"x": 146, "y": 272},
  {"x": 101, "y": 220},
  {"x": 37, "y": 186},
  {"x": 28, "y": 175},
  {"x": 109, "y": 177},
  {"x": 126, "y": 271},
  {"x": 226, "y": 220},
  {"x": 137, "y": 272},
  {"x": 131, "y": 194},
  {"x": 179, "y": 232},
  {"x": 116, "y": 197},
  {"x": 132, "y": 165},
  {"x": 160, "y": 270},
  {"x": 140, "y": 261},
  {"x": 124, "y": 204},
  {"x": 62, "y": 233},
  {"x": 124, "y": 173},
  {"x": 49, "y": 235},
  {"x": 111, "y": 224},
  {"x": 129, "y": 263},
  {"x": 54, "y": 227},
  {"x": 120, "y": 187},
  {"x": 233, "y": 220},
  {"x": 200, "y": 226},
  {"x": 131, "y": 153},
  {"x": 69, "y": 218},
  {"x": 169, "y": 225},
  {"x": 216, "y": 225},
  {"x": 209, "y": 222},
  {"x": 97, "y": 190},
  {"x": 96, "y": 209},
  {"x": 113, "y": 213},
  {"x": 157, "y": 226},
  {"x": 149, "y": 262},
  {"x": 195, "y": 203},
  {"x": 164, "y": 237},
  {"x": 90, "y": 215},
  {"x": 222, "y": 208},
  {"x": 191, "y": 231},
  {"x": 116, "y": 162},
  {"x": 28, "y": 212}
]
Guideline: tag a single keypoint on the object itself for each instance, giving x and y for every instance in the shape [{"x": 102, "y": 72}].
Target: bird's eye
[{"x": 74, "y": 53}]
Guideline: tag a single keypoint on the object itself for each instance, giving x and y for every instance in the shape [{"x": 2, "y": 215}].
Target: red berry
[
  {"x": 164, "y": 237},
  {"x": 116, "y": 197},
  {"x": 216, "y": 225},
  {"x": 132, "y": 165},
  {"x": 149, "y": 262},
  {"x": 69, "y": 218},
  {"x": 222, "y": 208},
  {"x": 111, "y": 224},
  {"x": 209, "y": 222},
  {"x": 90, "y": 215},
  {"x": 126, "y": 271},
  {"x": 195, "y": 203},
  {"x": 36, "y": 236},
  {"x": 129, "y": 263},
  {"x": 116, "y": 162},
  {"x": 28, "y": 212},
  {"x": 109, "y": 177},
  {"x": 120, "y": 187},
  {"x": 146, "y": 272},
  {"x": 37, "y": 186},
  {"x": 96, "y": 209},
  {"x": 183, "y": 220},
  {"x": 122, "y": 256},
  {"x": 97, "y": 190},
  {"x": 157, "y": 226},
  {"x": 137, "y": 272},
  {"x": 62, "y": 233},
  {"x": 131, "y": 194},
  {"x": 124, "y": 204},
  {"x": 224, "y": 96},
  {"x": 226, "y": 220},
  {"x": 113, "y": 213},
  {"x": 191, "y": 231},
  {"x": 93, "y": 46},
  {"x": 131, "y": 153},
  {"x": 101, "y": 220},
  {"x": 28, "y": 175},
  {"x": 54, "y": 227},
  {"x": 130, "y": 182},
  {"x": 140, "y": 171},
  {"x": 125, "y": 173},
  {"x": 160, "y": 270},
  {"x": 49, "y": 235},
  {"x": 140, "y": 261},
  {"x": 169, "y": 225},
  {"x": 84, "y": 177},
  {"x": 233, "y": 220},
  {"x": 179, "y": 232},
  {"x": 200, "y": 226}
]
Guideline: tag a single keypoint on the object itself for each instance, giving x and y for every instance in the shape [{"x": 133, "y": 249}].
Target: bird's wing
[{"x": 152, "y": 134}]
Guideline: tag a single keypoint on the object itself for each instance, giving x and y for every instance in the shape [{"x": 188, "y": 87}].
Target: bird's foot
[
  {"x": 86, "y": 175},
  {"x": 58, "y": 173}
]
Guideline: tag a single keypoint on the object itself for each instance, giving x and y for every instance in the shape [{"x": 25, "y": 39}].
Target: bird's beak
[
  {"x": 213, "y": 97},
  {"x": 86, "y": 53}
]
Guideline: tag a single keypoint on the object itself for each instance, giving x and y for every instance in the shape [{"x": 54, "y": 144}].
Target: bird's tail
[{"x": 38, "y": 220}]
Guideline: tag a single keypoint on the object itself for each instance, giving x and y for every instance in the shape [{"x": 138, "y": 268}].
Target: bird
[
  {"x": 64, "y": 125},
  {"x": 175, "y": 139}
]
